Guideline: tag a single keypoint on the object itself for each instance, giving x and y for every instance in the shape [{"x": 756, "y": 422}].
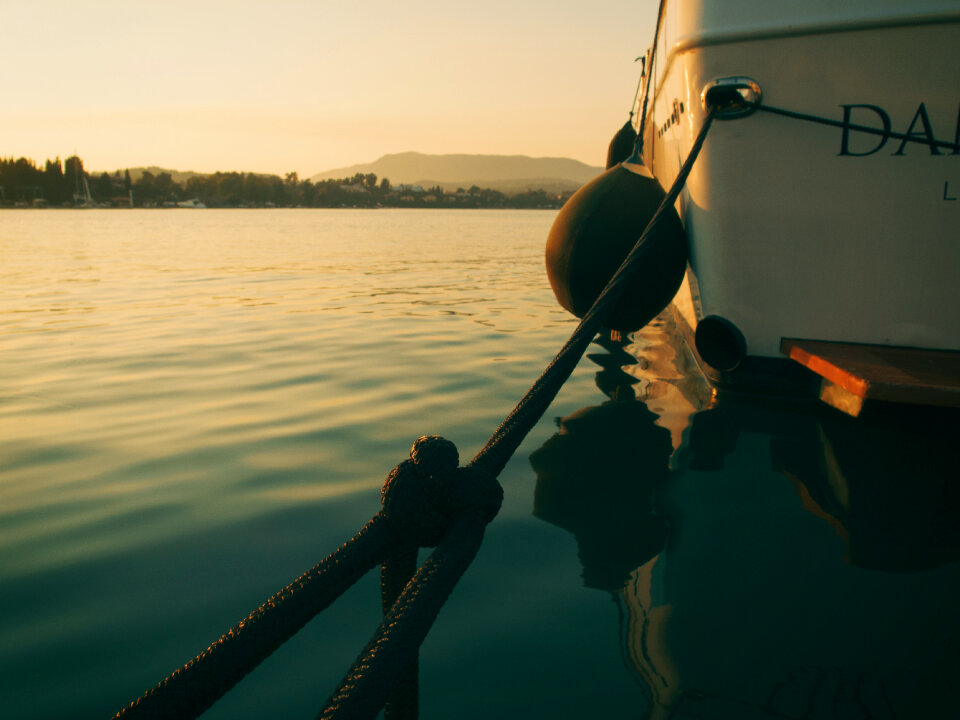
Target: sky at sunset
[{"x": 306, "y": 86}]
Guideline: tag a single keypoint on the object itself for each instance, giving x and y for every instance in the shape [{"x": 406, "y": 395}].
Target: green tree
[
  {"x": 73, "y": 167},
  {"x": 21, "y": 179},
  {"x": 56, "y": 187},
  {"x": 144, "y": 189},
  {"x": 165, "y": 188},
  {"x": 308, "y": 194},
  {"x": 103, "y": 188}
]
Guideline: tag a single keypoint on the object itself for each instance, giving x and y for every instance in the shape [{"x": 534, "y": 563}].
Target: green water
[{"x": 196, "y": 406}]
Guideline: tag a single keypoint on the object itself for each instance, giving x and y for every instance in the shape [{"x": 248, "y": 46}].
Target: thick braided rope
[
  {"x": 396, "y": 643},
  {"x": 395, "y": 573},
  {"x": 427, "y": 501},
  {"x": 394, "y": 647},
  {"x": 431, "y": 501},
  {"x": 193, "y": 688}
]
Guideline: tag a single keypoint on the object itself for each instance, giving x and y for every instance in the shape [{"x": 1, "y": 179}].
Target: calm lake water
[{"x": 197, "y": 406}]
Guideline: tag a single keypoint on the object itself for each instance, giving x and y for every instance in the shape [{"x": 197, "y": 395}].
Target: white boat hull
[{"x": 799, "y": 230}]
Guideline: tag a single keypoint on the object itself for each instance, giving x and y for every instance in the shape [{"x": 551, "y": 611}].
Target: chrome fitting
[{"x": 731, "y": 97}]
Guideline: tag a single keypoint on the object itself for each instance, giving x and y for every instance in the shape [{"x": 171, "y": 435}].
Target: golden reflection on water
[
  {"x": 131, "y": 337},
  {"x": 178, "y": 386},
  {"x": 735, "y": 598}
]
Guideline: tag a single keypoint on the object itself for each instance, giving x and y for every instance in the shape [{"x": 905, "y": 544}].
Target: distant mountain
[
  {"x": 507, "y": 173},
  {"x": 178, "y": 176}
]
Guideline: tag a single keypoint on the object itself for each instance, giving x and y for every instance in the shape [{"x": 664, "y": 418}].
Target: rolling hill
[{"x": 507, "y": 173}]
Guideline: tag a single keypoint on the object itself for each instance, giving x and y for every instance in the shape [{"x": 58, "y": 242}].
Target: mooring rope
[
  {"x": 395, "y": 573},
  {"x": 193, "y": 688},
  {"x": 819, "y": 119},
  {"x": 396, "y": 643},
  {"x": 428, "y": 501}
]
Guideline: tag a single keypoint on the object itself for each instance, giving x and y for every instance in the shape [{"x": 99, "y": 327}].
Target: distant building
[
  {"x": 409, "y": 189},
  {"x": 355, "y": 189}
]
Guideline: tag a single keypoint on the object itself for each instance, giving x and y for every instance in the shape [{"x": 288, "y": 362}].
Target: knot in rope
[
  {"x": 423, "y": 495},
  {"x": 476, "y": 490},
  {"x": 436, "y": 458}
]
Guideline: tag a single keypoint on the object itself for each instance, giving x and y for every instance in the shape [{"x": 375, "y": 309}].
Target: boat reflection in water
[{"x": 778, "y": 561}]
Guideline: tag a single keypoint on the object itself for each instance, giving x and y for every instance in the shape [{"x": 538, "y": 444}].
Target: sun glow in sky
[{"x": 311, "y": 85}]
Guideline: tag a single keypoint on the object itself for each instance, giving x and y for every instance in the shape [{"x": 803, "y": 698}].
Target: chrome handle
[{"x": 731, "y": 97}]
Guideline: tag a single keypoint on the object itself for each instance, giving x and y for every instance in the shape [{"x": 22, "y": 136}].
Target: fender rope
[{"x": 428, "y": 501}]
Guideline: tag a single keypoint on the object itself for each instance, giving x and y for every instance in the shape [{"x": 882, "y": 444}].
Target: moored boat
[{"x": 800, "y": 231}]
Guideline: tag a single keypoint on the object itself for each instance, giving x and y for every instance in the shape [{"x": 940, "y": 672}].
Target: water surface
[{"x": 197, "y": 406}]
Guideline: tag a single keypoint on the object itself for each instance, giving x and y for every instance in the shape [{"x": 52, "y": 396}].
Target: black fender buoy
[
  {"x": 621, "y": 146},
  {"x": 597, "y": 228}
]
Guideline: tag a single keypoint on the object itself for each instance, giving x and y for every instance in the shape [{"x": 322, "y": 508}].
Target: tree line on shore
[{"x": 66, "y": 184}]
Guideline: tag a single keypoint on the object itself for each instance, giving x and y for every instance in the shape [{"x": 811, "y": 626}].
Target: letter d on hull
[{"x": 845, "y": 139}]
